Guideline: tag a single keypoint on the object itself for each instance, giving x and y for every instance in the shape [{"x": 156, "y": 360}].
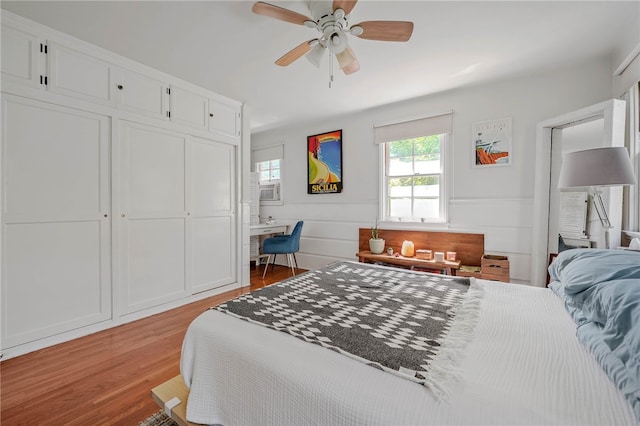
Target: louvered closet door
[
  {"x": 152, "y": 216},
  {"x": 213, "y": 216},
  {"x": 56, "y": 264}
]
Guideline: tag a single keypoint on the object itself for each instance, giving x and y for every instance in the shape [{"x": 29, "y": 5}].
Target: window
[
  {"x": 414, "y": 180},
  {"x": 268, "y": 171},
  {"x": 413, "y": 169},
  {"x": 268, "y": 166},
  {"x": 269, "y": 180}
]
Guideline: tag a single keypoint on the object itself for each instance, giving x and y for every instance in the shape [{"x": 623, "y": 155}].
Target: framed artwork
[
  {"x": 492, "y": 142},
  {"x": 324, "y": 163}
]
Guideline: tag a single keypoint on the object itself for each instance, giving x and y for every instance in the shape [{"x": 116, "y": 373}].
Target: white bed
[{"x": 523, "y": 365}]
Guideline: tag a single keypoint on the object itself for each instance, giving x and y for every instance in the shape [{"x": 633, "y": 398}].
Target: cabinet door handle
[
  {"x": 120, "y": 86},
  {"x": 106, "y": 215},
  {"x": 122, "y": 215},
  {"x": 210, "y": 114}
]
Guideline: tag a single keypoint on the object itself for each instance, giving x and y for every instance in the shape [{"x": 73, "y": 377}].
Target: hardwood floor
[{"x": 105, "y": 378}]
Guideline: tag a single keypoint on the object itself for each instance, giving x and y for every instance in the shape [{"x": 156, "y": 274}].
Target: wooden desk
[{"x": 448, "y": 267}]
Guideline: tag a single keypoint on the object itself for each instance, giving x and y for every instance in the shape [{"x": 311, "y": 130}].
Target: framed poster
[
  {"x": 324, "y": 163},
  {"x": 492, "y": 142}
]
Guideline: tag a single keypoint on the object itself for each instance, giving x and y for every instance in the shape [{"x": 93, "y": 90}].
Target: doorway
[{"x": 611, "y": 114}]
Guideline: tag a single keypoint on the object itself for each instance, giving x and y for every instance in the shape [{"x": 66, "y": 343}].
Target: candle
[{"x": 408, "y": 249}]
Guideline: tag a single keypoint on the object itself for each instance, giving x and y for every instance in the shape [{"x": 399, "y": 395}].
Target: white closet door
[
  {"x": 152, "y": 216},
  {"x": 56, "y": 259},
  {"x": 212, "y": 196}
]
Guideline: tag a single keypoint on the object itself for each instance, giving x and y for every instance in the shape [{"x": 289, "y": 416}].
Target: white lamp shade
[{"x": 609, "y": 166}]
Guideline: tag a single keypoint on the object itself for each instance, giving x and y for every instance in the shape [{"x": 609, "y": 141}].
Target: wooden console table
[{"x": 448, "y": 267}]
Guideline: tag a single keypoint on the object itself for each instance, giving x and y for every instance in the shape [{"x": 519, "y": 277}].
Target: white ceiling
[{"x": 223, "y": 46}]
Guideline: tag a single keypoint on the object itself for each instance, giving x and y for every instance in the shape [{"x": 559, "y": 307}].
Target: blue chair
[{"x": 283, "y": 244}]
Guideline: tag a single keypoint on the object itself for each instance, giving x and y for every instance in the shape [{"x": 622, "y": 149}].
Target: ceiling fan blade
[
  {"x": 295, "y": 53},
  {"x": 353, "y": 66},
  {"x": 346, "y": 5},
  {"x": 277, "y": 12},
  {"x": 386, "y": 30}
]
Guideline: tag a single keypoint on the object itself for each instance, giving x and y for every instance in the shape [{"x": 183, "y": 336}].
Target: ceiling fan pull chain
[{"x": 330, "y": 69}]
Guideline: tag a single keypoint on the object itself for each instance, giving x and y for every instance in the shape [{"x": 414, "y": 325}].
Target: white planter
[{"x": 376, "y": 245}]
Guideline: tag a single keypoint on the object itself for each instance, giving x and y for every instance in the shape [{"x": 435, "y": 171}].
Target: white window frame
[
  {"x": 433, "y": 124},
  {"x": 443, "y": 193}
]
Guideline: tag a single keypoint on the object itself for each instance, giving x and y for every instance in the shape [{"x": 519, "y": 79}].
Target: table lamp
[{"x": 594, "y": 168}]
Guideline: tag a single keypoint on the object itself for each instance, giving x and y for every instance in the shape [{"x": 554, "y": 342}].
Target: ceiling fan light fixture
[
  {"x": 331, "y": 20},
  {"x": 316, "y": 55},
  {"x": 338, "y": 42},
  {"x": 345, "y": 58},
  {"x": 351, "y": 68}
]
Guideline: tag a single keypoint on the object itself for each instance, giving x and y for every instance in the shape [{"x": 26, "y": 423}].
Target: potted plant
[{"x": 376, "y": 244}]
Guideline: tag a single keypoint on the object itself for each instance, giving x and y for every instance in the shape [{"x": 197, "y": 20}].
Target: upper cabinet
[
  {"x": 143, "y": 94},
  {"x": 20, "y": 56},
  {"x": 195, "y": 109},
  {"x": 224, "y": 119},
  {"x": 31, "y": 60},
  {"x": 77, "y": 74},
  {"x": 188, "y": 108},
  {"x": 80, "y": 71}
]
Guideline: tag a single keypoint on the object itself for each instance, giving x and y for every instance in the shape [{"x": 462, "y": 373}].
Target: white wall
[
  {"x": 495, "y": 201},
  {"x": 628, "y": 49}
]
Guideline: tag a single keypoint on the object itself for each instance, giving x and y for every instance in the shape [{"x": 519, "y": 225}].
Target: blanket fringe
[{"x": 444, "y": 369}]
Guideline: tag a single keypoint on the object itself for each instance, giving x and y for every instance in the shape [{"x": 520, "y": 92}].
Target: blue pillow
[{"x": 579, "y": 269}]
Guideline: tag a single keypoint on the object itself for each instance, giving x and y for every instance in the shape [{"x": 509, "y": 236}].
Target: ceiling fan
[{"x": 332, "y": 21}]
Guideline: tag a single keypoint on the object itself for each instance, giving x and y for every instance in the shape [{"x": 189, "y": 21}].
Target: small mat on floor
[{"x": 158, "y": 419}]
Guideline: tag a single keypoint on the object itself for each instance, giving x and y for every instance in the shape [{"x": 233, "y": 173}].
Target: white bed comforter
[{"x": 524, "y": 365}]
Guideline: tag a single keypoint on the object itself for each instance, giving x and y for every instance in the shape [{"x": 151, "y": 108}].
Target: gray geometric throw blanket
[{"x": 392, "y": 319}]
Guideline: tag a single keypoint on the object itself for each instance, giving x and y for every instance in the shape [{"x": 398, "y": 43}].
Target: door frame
[{"x": 613, "y": 111}]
